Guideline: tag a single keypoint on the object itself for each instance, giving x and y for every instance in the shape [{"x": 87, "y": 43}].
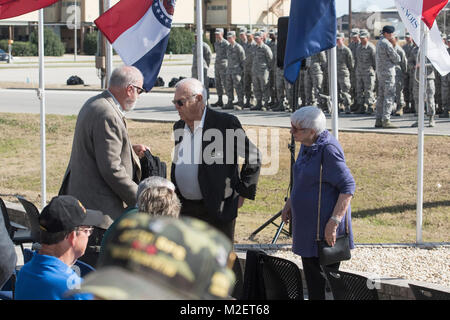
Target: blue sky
[{"x": 361, "y": 5}]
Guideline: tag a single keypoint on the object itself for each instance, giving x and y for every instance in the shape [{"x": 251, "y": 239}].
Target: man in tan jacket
[{"x": 104, "y": 168}]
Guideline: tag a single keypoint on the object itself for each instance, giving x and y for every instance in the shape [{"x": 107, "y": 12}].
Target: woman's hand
[
  {"x": 286, "y": 213},
  {"x": 330, "y": 232},
  {"x": 139, "y": 149}
]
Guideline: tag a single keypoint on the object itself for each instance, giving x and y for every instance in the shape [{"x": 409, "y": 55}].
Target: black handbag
[
  {"x": 152, "y": 166},
  {"x": 341, "y": 249}
]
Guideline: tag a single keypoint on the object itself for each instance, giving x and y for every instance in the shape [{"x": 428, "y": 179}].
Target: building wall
[{"x": 245, "y": 12}]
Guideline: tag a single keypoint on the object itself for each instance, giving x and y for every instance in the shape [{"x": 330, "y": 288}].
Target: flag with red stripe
[
  {"x": 412, "y": 13},
  {"x": 139, "y": 31},
  {"x": 14, "y": 8}
]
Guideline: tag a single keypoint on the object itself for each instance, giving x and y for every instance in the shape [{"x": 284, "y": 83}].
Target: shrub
[
  {"x": 52, "y": 43},
  {"x": 20, "y": 48},
  {"x": 90, "y": 43},
  {"x": 180, "y": 41}
]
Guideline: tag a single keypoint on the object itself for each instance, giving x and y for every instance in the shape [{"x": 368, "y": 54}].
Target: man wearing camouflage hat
[
  {"x": 162, "y": 258},
  {"x": 445, "y": 89},
  {"x": 386, "y": 59},
  {"x": 345, "y": 64},
  {"x": 400, "y": 71},
  {"x": 354, "y": 43},
  {"x": 220, "y": 67},
  {"x": 365, "y": 74},
  {"x": 409, "y": 75},
  {"x": 235, "y": 69},
  {"x": 260, "y": 68}
]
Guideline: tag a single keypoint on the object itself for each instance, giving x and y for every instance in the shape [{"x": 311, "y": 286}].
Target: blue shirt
[
  {"x": 336, "y": 179},
  {"x": 47, "y": 278}
]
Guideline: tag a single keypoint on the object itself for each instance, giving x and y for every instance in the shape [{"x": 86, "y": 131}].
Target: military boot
[
  {"x": 247, "y": 103},
  {"x": 370, "y": 110},
  {"x": 258, "y": 106},
  {"x": 378, "y": 123},
  {"x": 219, "y": 103},
  {"x": 228, "y": 106},
  {"x": 388, "y": 124},
  {"x": 239, "y": 105},
  {"x": 431, "y": 122},
  {"x": 362, "y": 109},
  {"x": 279, "y": 108}
]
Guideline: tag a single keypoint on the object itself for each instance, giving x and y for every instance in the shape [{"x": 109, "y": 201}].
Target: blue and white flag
[
  {"x": 139, "y": 31},
  {"x": 312, "y": 29}
]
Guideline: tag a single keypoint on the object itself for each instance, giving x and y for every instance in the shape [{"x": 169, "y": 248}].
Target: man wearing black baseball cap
[{"x": 65, "y": 228}]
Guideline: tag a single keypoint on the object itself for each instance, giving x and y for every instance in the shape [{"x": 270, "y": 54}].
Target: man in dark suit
[{"x": 205, "y": 167}]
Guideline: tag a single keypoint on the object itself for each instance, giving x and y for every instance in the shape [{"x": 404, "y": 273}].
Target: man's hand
[
  {"x": 139, "y": 149},
  {"x": 393, "y": 41}
]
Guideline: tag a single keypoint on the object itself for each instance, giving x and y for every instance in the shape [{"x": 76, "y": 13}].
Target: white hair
[
  {"x": 310, "y": 117},
  {"x": 123, "y": 76},
  {"x": 194, "y": 86},
  {"x": 154, "y": 182}
]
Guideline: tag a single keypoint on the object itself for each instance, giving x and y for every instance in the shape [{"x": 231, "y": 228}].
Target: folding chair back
[
  {"x": 8, "y": 226},
  {"x": 349, "y": 286},
  {"x": 33, "y": 217},
  {"x": 282, "y": 278},
  {"x": 253, "y": 286},
  {"x": 423, "y": 293}
]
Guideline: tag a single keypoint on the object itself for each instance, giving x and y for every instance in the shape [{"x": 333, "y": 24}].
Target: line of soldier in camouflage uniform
[{"x": 362, "y": 69}]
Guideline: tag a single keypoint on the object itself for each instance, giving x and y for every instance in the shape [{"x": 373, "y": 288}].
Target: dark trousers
[
  {"x": 197, "y": 209},
  {"x": 315, "y": 280}
]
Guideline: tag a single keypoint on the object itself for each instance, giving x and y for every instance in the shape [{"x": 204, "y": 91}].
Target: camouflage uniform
[
  {"x": 445, "y": 91},
  {"x": 353, "y": 46},
  {"x": 314, "y": 78},
  {"x": 220, "y": 68},
  {"x": 365, "y": 62},
  {"x": 386, "y": 59},
  {"x": 272, "y": 73},
  {"x": 430, "y": 106},
  {"x": 206, "y": 61},
  {"x": 249, "y": 52},
  {"x": 345, "y": 64},
  {"x": 262, "y": 60},
  {"x": 400, "y": 71},
  {"x": 407, "y": 81},
  {"x": 236, "y": 57}
]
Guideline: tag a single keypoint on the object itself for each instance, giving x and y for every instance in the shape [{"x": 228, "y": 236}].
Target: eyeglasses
[
  {"x": 139, "y": 90},
  {"x": 181, "y": 102},
  {"x": 87, "y": 230}
]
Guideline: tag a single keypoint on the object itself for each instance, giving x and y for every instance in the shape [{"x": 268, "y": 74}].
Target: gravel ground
[{"x": 428, "y": 265}]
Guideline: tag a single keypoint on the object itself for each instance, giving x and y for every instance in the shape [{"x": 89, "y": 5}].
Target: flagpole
[
  {"x": 420, "y": 133},
  {"x": 332, "y": 67},
  {"x": 41, "y": 95},
  {"x": 109, "y": 51},
  {"x": 199, "y": 23}
]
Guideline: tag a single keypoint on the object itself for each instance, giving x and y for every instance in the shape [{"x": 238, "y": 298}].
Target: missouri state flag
[
  {"x": 14, "y": 8},
  {"x": 139, "y": 31},
  {"x": 312, "y": 29},
  {"x": 412, "y": 12}
]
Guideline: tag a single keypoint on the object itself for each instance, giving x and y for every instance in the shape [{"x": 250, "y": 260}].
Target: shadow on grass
[{"x": 398, "y": 209}]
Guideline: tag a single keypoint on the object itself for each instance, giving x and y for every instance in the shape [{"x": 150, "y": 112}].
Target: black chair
[
  {"x": 18, "y": 233},
  {"x": 424, "y": 293},
  {"x": 349, "y": 286},
  {"x": 253, "y": 289},
  {"x": 33, "y": 217},
  {"x": 7, "y": 291},
  {"x": 238, "y": 289},
  {"x": 282, "y": 279}
]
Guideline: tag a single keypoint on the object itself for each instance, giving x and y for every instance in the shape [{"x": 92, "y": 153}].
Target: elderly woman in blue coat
[{"x": 308, "y": 126}]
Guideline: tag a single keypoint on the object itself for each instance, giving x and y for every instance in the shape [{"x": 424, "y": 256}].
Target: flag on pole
[
  {"x": 139, "y": 31},
  {"x": 411, "y": 13},
  {"x": 312, "y": 29},
  {"x": 14, "y": 8}
]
